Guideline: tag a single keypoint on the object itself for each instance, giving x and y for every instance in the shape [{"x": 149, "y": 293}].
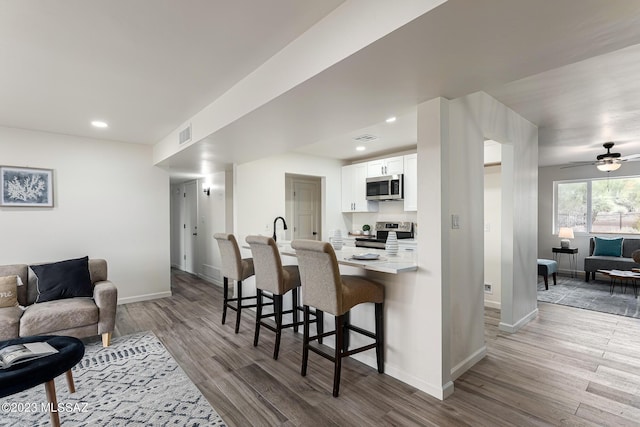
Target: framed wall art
[{"x": 26, "y": 187}]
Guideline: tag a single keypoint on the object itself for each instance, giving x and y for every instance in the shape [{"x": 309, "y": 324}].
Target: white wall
[
  {"x": 473, "y": 119},
  {"x": 260, "y": 193},
  {"x": 177, "y": 202},
  {"x": 212, "y": 218},
  {"x": 484, "y": 117},
  {"x": 546, "y": 238},
  {"x": 465, "y": 256},
  {"x": 492, "y": 234},
  {"x": 430, "y": 359},
  {"x": 110, "y": 202}
]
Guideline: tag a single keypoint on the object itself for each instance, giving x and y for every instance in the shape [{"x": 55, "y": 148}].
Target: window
[
  {"x": 572, "y": 206},
  {"x": 610, "y": 205}
]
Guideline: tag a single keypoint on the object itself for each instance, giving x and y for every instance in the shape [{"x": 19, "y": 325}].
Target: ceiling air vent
[
  {"x": 365, "y": 138},
  {"x": 185, "y": 135}
]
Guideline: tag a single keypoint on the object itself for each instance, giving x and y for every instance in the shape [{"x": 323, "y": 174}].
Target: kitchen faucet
[{"x": 274, "y": 226}]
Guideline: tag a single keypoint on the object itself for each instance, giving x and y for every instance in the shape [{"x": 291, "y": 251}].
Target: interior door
[
  {"x": 306, "y": 209},
  {"x": 190, "y": 228}
]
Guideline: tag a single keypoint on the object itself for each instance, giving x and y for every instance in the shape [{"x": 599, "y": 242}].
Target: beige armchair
[{"x": 76, "y": 317}]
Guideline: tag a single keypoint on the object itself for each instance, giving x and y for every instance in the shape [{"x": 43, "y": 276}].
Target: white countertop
[{"x": 403, "y": 262}]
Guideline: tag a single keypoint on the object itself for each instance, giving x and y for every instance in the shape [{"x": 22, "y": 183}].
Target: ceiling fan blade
[{"x": 630, "y": 157}]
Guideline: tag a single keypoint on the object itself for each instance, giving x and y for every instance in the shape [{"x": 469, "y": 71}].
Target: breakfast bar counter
[{"x": 403, "y": 262}]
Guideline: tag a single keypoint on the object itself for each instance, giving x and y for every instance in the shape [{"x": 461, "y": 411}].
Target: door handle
[
  {"x": 314, "y": 233},
  {"x": 195, "y": 234}
]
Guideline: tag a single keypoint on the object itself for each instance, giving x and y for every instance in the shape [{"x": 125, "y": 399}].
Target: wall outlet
[{"x": 487, "y": 288}]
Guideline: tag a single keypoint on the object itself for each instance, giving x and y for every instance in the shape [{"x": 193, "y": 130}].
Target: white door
[
  {"x": 190, "y": 228},
  {"x": 177, "y": 222},
  {"x": 306, "y": 209}
]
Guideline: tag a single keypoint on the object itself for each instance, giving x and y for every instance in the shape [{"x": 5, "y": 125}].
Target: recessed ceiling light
[
  {"x": 391, "y": 120},
  {"x": 99, "y": 124},
  {"x": 360, "y": 148}
]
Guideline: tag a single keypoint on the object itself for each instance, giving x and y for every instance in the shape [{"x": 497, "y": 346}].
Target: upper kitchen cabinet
[
  {"x": 354, "y": 189},
  {"x": 389, "y": 166},
  {"x": 411, "y": 182}
]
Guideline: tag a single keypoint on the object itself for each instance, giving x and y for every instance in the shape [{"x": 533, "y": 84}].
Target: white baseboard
[
  {"x": 569, "y": 273},
  {"x": 466, "y": 364},
  {"x": 211, "y": 273},
  {"x": 146, "y": 297},
  {"x": 492, "y": 304},
  {"x": 438, "y": 392},
  {"x": 505, "y": 327}
]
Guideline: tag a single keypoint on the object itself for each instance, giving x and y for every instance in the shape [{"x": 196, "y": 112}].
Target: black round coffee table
[{"x": 44, "y": 370}]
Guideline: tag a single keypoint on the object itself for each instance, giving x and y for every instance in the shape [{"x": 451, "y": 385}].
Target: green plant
[{"x": 366, "y": 227}]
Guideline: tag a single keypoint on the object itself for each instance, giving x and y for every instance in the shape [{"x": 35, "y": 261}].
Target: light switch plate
[{"x": 455, "y": 221}]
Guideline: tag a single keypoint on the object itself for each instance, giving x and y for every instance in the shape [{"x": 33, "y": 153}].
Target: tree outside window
[
  {"x": 572, "y": 206},
  {"x": 615, "y": 205}
]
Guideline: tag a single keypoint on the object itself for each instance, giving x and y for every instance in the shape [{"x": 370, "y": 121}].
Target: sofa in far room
[
  {"x": 610, "y": 254},
  {"x": 71, "y": 297}
]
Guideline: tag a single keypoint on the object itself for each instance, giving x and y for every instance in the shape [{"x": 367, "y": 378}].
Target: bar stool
[
  {"x": 236, "y": 268},
  {"x": 276, "y": 279},
  {"x": 325, "y": 289}
]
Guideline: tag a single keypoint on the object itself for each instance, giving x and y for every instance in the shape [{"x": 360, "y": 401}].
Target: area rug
[
  {"x": 594, "y": 295},
  {"x": 134, "y": 382}
]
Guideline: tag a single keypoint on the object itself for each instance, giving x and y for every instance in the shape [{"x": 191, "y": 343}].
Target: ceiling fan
[{"x": 608, "y": 161}]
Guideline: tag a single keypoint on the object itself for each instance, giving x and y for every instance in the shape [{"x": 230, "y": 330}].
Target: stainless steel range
[{"x": 404, "y": 230}]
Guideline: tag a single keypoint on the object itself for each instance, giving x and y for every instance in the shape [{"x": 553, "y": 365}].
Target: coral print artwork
[{"x": 26, "y": 187}]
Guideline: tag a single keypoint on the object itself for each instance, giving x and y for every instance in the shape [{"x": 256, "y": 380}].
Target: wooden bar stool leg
[
  {"x": 277, "y": 307},
  {"x": 50, "y": 388},
  {"x": 225, "y": 284},
  {"x": 337, "y": 366},
  {"x": 305, "y": 341},
  {"x": 239, "y": 306},
  {"x": 380, "y": 336},
  {"x": 70, "y": 384},
  {"x": 258, "y": 316},
  {"x": 319, "y": 324},
  {"x": 345, "y": 330},
  {"x": 294, "y": 306}
]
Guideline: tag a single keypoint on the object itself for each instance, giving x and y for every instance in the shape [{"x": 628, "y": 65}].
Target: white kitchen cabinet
[
  {"x": 354, "y": 189},
  {"x": 411, "y": 182},
  {"x": 389, "y": 166}
]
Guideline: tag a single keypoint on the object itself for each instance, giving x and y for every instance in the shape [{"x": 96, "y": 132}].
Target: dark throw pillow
[{"x": 64, "y": 279}]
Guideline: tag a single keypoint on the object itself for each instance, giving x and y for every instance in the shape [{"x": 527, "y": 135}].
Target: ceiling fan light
[{"x": 608, "y": 165}]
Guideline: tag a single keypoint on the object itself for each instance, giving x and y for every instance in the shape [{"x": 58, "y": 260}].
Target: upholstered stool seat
[
  {"x": 276, "y": 279},
  {"x": 236, "y": 268},
  {"x": 44, "y": 370},
  {"x": 545, "y": 268},
  {"x": 325, "y": 289}
]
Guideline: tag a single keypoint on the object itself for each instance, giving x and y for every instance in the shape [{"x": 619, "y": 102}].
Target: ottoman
[
  {"x": 44, "y": 370},
  {"x": 545, "y": 268}
]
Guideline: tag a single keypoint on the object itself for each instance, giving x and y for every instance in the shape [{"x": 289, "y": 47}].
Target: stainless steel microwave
[{"x": 390, "y": 187}]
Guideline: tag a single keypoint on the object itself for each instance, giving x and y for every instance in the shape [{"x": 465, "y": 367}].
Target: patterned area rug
[
  {"x": 134, "y": 382},
  {"x": 595, "y": 295}
]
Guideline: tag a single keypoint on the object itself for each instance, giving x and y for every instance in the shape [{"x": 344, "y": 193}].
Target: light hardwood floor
[{"x": 567, "y": 367}]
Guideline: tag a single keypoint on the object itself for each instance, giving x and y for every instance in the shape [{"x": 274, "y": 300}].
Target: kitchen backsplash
[{"x": 388, "y": 211}]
